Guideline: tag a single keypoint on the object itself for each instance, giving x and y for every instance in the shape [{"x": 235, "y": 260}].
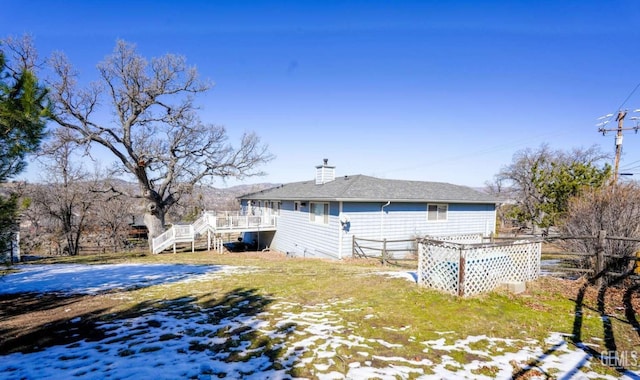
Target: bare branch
[
  {"x": 22, "y": 53},
  {"x": 155, "y": 133}
]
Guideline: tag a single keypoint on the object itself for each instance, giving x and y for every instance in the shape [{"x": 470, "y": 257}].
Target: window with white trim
[
  {"x": 436, "y": 212},
  {"x": 319, "y": 212}
]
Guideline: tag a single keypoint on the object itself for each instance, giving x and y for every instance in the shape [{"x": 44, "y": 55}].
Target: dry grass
[{"x": 372, "y": 306}]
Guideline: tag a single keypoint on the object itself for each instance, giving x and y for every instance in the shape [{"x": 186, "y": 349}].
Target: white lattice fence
[
  {"x": 460, "y": 239},
  {"x": 469, "y": 269},
  {"x": 438, "y": 264}
]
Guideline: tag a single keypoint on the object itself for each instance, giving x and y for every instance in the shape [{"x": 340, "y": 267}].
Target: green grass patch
[
  {"x": 490, "y": 371},
  {"x": 393, "y": 316}
]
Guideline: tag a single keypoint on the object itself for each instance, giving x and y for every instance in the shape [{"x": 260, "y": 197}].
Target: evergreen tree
[
  {"x": 23, "y": 115},
  {"x": 542, "y": 182}
]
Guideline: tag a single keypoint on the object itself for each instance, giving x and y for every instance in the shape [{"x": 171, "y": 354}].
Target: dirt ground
[
  {"x": 617, "y": 299},
  {"x": 30, "y": 321}
]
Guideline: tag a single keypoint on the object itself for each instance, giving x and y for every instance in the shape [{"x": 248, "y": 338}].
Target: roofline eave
[{"x": 363, "y": 200}]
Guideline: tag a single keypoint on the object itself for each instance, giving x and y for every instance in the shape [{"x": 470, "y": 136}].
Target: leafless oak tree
[
  {"x": 154, "y": 133},
  {"x": 112, "y": 216},
  {"x": 67, "y": 196},
  {"x": 614, "y": 209}
]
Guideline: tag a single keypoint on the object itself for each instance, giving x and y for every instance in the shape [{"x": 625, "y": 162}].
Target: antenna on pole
[{"x": 620, "y": 119}]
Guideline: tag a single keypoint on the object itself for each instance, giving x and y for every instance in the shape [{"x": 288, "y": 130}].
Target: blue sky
[{"x": 426, "y": 90}]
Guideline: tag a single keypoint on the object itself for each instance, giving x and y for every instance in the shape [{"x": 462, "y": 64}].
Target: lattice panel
[
  {"x": 469, "y": 269},
  {"x": 438, "y": 266},
  {"x": 485, "y": 268},
  {"x": 525, "y": 260},
  {"x": 460, "y": 239}
]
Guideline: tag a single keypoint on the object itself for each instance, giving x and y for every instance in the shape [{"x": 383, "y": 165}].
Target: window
[
  {"x": 275, "y": 208},
  {"x": 436, "y": 212},
  {"x": 319, "y": 213},
  {"x": 296, "y": 206}
]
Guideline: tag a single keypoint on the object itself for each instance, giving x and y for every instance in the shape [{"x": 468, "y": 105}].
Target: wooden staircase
[{"x": 213, "y": 224}]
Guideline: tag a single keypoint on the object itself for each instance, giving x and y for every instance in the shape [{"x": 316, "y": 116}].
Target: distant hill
[
  {"x": 225, "y": 199},
  {"x": 240, "y": 190}
]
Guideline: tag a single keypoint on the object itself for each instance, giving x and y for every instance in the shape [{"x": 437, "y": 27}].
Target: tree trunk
[{"x": 154, "y": 220}]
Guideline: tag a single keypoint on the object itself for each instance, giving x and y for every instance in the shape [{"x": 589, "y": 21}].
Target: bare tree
[
  {"x": 155, "y": 134},
  {"x": 70, "y": 211},
  {"x": 506, "y": 197},
  {"x": 614, "y": 209},
  {"x": 67, "y": 197},
  {"x": 36, "y": 226},
  {"x": 112, "y": 215}
]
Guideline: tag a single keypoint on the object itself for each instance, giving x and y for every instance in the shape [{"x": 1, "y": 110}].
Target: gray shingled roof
[{"x": 363, "y": 188}]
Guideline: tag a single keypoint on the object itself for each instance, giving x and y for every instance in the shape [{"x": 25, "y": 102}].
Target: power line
[
  {"x": 631, "y": 168},
  {"x": 626, "y": 167},
  {"x": 629, "y": 96}
]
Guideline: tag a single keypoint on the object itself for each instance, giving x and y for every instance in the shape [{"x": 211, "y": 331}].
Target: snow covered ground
[{"x": 243, "y": 338}]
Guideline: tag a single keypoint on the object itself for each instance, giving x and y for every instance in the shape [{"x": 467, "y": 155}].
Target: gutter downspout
[
  {"x": 340, "y": 233},
  {"x": 382, "y": 219}
]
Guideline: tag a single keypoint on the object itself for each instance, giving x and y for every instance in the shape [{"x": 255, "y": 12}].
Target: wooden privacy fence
[
  {"x": 469, "y": 269},
  {"x": 384, "y": 249}
]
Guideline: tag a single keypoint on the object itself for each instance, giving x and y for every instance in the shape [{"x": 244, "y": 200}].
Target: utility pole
[{"x": 620, "y": 119}]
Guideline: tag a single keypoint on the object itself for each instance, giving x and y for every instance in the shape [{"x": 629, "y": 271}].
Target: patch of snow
[
  {"x": 92, "y": 279},
  {"x": 183, "y": 341},
  {"x": 409, "y": 276}
]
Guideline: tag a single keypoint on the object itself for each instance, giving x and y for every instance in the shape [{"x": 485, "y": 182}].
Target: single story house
[{"x": 318, "y": 218}]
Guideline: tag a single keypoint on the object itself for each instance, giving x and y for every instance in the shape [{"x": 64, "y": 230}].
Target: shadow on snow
[
  {"x": 610, "y": 356},
  {"x": 218, "y": 335}
]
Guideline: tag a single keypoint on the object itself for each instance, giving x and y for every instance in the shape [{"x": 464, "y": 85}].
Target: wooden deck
[{"x": 212, "y": 224}]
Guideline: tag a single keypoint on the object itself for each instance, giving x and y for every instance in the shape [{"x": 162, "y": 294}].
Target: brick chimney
[{"x": 325, "y": 173}]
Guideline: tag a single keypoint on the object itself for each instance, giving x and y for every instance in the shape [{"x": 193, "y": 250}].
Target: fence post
[
  {"x": 174, "y": 238},
  {"x": 420, "y": 261},
  {"x": 353, "y": 246},
  {"x": 384, "y": 251},
  {"x": 461, "y": 271},
  {"x": 600, "y": 259}
]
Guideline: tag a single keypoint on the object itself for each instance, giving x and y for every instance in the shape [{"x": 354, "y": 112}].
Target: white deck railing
[
  {"x": 162, "y": 241},
  {"x": 215, "y": 223}
]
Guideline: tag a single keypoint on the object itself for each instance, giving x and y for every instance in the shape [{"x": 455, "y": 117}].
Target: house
[
  {"x": 319, "y": 218},
  {"x": 137, "y": 229}
]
